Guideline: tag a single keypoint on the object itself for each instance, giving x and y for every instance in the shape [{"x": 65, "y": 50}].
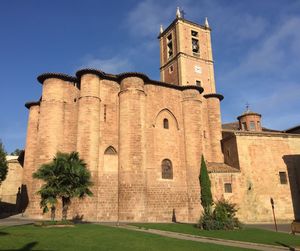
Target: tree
[
  {"x": 205, "y": 185},
  {"x": 3, "y": 163},
  {"x": 16, "y": 152},
  {"x": 65, "y": 177}
]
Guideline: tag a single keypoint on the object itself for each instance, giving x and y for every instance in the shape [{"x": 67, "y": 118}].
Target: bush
[{"x": 222, "y": 217}]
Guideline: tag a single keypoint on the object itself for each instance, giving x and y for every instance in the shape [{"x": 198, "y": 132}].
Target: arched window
[
  {"x": 110, "y": 160},
  {"x": 110, "y": 150},
  {"x": 166, "y": 123},
  {"x": 166, "y": 169}
]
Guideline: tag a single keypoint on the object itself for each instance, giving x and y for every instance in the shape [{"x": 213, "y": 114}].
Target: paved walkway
[
  {"x": 230, "y": 243},
  {"x": 16, "y": 220}
]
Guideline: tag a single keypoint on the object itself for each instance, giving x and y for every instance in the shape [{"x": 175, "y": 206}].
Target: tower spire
[
  {"x": 161, "y": 29},
  {"x": 178, "y": 13},
  {"x": 206, "y": 24}
]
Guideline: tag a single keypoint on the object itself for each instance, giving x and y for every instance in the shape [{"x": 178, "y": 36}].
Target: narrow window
[
  {"x": 166, "y": 169},
  {"x": 252, "y": 126},
  {"x": 258, "y": 124},
  {"x": 104, "y": 114},
  {"x": 170, "y": 46},
  {"x": 228, "y": 188},
  {"x": 198, "y": 83},
  {"x": 166, "y": 123},
  {"x": 244, "y": 126},
  {"x": 171, "y": 69},
  {"x": 195, "y": 45},
  {"x": 283, "y": 177}
]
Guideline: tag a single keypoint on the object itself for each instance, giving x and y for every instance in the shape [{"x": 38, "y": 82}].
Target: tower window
[
  {"x": 171, "y": 69},
  {"x": 170, "y": 46},
  {"x": 283, "y": 177},
  {"x": 244, "y": 126},
  {"x": 258, "y": 124},
  {"x": 252, "y": 126},
  {"x": 166, "y": 123},
  {"x": 195, "y": 45},
  {"x": 194, "y": 33},
  {"x": 228, "y": 188},
  {"x": 166, "y": 169},
  {"x": 198, "y": 83}
]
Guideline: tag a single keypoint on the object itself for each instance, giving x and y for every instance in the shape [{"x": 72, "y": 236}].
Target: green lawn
[
  {"x": 92, "y": 237},
  {"x": 247, "y": 234}
]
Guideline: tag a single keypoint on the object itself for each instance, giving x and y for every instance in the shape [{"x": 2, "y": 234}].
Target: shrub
[{"x": 222, "y": 218}]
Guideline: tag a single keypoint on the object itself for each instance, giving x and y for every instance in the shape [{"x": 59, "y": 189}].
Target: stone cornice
[
  {"x": 262, "y": 134},
  {"x": 214, "y": 95},
  {"x": 41, "y": 78},
  {"x": 31, "y": 103},
  {"x": 117, "y": 78}
]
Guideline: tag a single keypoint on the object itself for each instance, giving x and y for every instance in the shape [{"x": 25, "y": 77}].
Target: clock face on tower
[{"x": 198, "y": 69}]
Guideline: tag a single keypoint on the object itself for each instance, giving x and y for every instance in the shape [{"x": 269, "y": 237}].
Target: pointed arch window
[
  {"x": 110, "y": 150},
  {"x": 167, "y": 169},
  {"x": 166, "y": 123}
]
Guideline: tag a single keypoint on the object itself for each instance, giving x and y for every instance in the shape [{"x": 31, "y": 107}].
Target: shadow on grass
[
  {"x": 3, "y": 233},
  {"x": 285, "y": 245},
  {"x": 27, "y": 247}
]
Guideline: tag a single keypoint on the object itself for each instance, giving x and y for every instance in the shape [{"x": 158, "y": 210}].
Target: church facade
[{"x": 143, "y": 139}]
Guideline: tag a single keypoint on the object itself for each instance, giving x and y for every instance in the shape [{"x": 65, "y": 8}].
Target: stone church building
[{"x": 143, "y": 139}]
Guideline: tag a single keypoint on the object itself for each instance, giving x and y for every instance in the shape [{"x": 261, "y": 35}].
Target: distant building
[{"x": 143, "y": 139}]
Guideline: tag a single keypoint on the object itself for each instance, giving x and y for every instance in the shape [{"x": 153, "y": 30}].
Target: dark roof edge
[
  {"x": 176, "y": 87},
  {"x": 41, "y": 78},
  {"x": 31, "y": 103},
  {"x": 291, "y": 129},
  {"x": 143, "y": 76},
  {"x": 214, "y": 95},
  {"x": 249, "y": 113},
  {"x": 123, "y": 75}
]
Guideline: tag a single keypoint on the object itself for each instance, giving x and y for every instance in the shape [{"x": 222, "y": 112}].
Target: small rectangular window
[
  {"x": 252, "y": 126},
  {"x": 244, "y": 126},
  {"x": 198, "y": 83},
  {"x": 194, "y": 33},
  {"x": 228, "y": 188},
  {"x": 283, "y": 177},
  {"x": 171, "y": 69}
]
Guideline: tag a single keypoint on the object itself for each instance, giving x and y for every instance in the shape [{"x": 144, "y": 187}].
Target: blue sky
[{"x": 256, "y": 47}]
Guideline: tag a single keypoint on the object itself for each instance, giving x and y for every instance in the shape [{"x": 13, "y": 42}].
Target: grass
[
  {"x": 93, "y": 237},
  {"x": 247, "y": 234}
]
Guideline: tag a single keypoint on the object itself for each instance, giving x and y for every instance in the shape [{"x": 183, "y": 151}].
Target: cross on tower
[
  {"x": 182, "y": 13},
  {"x": 247, "y": 106}
]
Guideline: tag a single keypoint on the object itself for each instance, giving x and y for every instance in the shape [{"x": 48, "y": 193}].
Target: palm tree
[{"x": 65, "y": 177}]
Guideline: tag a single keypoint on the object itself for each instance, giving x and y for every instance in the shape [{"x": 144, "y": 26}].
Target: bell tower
[{"x": 186, "y": 54}]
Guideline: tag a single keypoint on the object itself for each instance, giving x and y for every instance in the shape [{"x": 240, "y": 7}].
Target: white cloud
[
  {"x": 114, "y": 65},
  {"x": 145, "y": 19},
  {"x": 275, "y": 54}
]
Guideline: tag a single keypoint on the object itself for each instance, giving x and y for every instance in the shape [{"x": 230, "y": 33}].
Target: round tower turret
[{"x": 250, "y": 121}]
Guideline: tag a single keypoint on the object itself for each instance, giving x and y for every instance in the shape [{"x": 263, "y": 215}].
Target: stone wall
[
  {"x": 13, "y": 182},
  {"x": 261, "y": 156}
]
